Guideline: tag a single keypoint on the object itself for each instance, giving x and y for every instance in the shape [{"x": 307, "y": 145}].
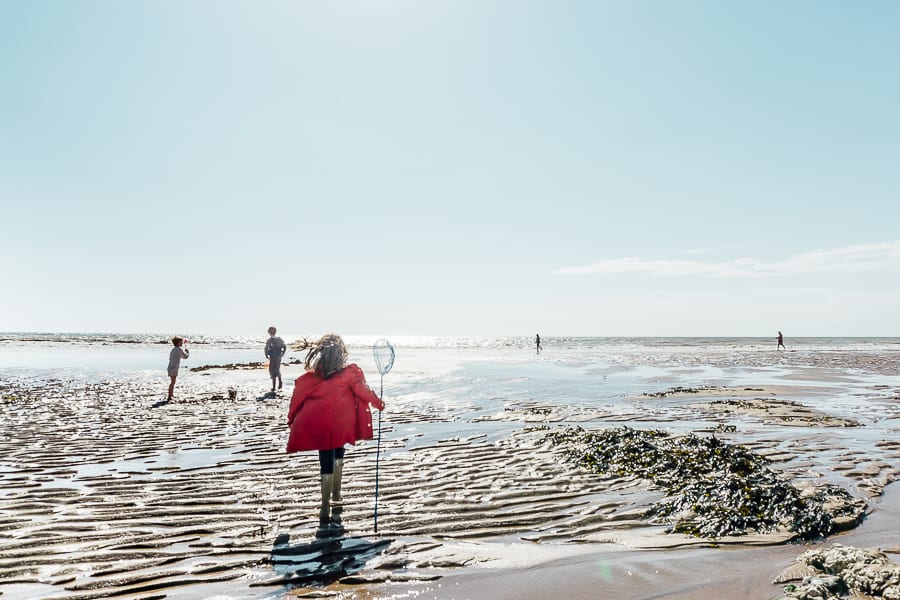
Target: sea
[
  {"x": 478, "y": 376},
  {"x": 96, "y": 353}
]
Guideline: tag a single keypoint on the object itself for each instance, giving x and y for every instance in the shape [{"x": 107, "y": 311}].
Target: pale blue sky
[{"x": 451, "y": 168}]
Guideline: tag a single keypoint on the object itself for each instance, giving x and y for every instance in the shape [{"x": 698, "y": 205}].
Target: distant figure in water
[
  {"x": 275, "y": 349},
  {"x": 537, "y": 342},
  {"x": 330, "y": 408},
  {"x": 175, "y": 355},
  {"x": 780, "y": 341}
]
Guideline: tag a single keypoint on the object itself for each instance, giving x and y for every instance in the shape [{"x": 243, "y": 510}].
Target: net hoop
[{"x": 383, "y": 352}]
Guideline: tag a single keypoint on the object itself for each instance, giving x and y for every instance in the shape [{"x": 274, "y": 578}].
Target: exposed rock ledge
[{"x": 841, "y": 572}]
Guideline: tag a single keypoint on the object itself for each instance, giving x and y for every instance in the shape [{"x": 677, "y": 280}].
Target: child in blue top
[{"x": 275, "y": 349}]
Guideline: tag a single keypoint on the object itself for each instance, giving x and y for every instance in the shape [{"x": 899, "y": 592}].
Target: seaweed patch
[
  {"x": 712, "y": 489},
  {"x": 679, "y": 390}
]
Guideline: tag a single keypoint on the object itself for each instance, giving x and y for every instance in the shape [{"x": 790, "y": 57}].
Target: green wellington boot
[
  {"x": 337, "y": 506},
  {"x": 327, "y": 528}
]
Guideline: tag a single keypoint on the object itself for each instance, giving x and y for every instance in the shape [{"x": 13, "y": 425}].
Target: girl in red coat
[{"x": 330, "y": 408}]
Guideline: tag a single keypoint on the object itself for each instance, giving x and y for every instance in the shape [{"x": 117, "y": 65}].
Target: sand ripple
[
  {"x": 106, "y": 492},
  {"x": 103, "y": 495}
]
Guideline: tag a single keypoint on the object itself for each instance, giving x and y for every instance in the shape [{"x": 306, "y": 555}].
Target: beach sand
[{"x": 107, "y": 491}]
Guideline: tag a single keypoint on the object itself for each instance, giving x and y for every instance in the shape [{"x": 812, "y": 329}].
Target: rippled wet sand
[{"x": 105, "y": 491}]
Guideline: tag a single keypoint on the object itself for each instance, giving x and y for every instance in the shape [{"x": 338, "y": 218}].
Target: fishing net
[
  {"x": 384, "y": 360},
  {"x": 384, "y": 356}
]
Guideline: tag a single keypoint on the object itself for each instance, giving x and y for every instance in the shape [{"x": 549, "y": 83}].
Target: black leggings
[{"x": 327, "y": 458}]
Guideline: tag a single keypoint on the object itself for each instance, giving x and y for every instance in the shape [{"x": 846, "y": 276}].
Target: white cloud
[{"x": 881, "y": 256}]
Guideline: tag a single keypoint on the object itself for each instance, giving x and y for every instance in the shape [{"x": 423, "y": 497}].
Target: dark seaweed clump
[
  {"x": 11, "y": 398},
  {"x": 243, "y": 366},
  {"x": 712, "y": 489}
]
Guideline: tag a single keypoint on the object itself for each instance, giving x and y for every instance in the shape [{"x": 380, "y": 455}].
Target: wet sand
[
  {"x": 681, "y": 574},
  {"x": 105, "y": 491}
]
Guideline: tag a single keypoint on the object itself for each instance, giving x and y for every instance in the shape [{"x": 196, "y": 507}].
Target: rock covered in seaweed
[
  {"x": 844, "y": 571},
  {"x": 243, "y": 366},
  {"x": 712, "y": 489}
]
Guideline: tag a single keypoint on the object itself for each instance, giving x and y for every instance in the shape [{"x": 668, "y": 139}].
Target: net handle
[{"x": 378, "y": 349}]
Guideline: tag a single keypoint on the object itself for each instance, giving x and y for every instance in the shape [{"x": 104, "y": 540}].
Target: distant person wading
[
  {"x": 330, "y": 408},
  {"x": 780, "y": 342},
  {"x": 275, "y": 349}
]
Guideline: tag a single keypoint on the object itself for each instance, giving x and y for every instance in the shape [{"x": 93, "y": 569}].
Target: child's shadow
[{"x": 321, "y": 560}]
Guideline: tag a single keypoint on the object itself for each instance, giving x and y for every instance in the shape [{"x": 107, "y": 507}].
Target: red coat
[{"x": 328, "y": 413}]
